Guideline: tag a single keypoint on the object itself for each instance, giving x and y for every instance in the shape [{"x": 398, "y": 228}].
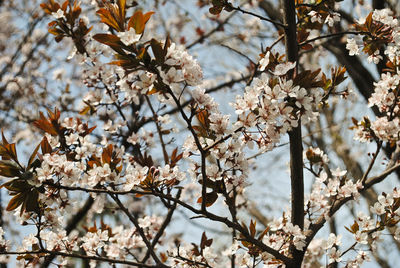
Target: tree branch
[
  {"x": 140, "y": 231},
  {"x": 78, "y": 256},
  {"x": 296, "y": 147}
]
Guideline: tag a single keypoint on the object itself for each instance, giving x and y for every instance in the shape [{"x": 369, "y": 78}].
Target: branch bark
[{"x": 295, "y": 139}]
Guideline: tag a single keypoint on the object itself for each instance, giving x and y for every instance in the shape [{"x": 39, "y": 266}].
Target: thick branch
[{"x": 296, "y": 147}]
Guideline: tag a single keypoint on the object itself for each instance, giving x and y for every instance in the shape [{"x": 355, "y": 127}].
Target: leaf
[
  {"x": 306, "y": 47},
  {"x": 205, "y": 242},
  {"x": 302, "y": 35},
  {"x": 50, "y": 7},
  {"x": 85, "y": 110},
  {"x": 108, "y": 17},
  {"x": 368, "y": 21},
  {"x": 15, "y": 202},
  {"x": 89, "y": 130},
  {"x": 139, "y": 20},
  {"x": 202, "y": 115},
  {"x": 175, "y": 158},
  {"x": 210, "y": 198},
  {"x": 30, "y": 203},
  {"x": 110, "y": 40},
  {"x": 64, "y": 6},
  {"x": 158, "y": 51},
  {"x": 307, "y": 79},
  {"x": 127, "y": 64},
  {"x": 15, "y": 185},
  {"x": 215, "y": 10},
  {"x": 163, "y": 257},
  {"x": 32, "y": 157},
  {"x": 107, "y": 154},
  {"x": 118, "y": 169},
  {"x": 167, "y": 44},
  {"x": 46, "y": 125},
  {"x": 121, "y": 5},
  {"x": 261, "y": 236},
  {"x": 9, "y": 169},
  {"x": 152, "y": 91},
  {"x": 396, "y": 204},
  {"x": 353, "y": 228},
  {"x": 94, "y": 161},
  {"x": 76, "y": 11},
  {"x": 252, "y": 228},
  {"x": 8, "y": 150},
  {"x": 45, "y": 146},
  {"x": 338, "y": 75}
]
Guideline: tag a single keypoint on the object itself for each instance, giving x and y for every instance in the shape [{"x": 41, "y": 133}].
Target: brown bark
[{"x": 296, "y": 147}]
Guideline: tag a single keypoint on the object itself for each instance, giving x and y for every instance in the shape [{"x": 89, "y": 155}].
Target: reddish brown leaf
[
  {"x": 202, "y": 115},
  {"x": 205, "y": 242},
  {"x": 121, "y": 5},
  {"x": 261, "y": 236},
  {"x": 15, "y": 202},
  {"x": 45, "y": 146},
  {"x": 9, "y": 169},
  {"x": 306, "y": 47},
  {"x": 210, "y": 198},
  {"x": 44, "y": 124},
  {"x": 252, "y": 228},
  {"x": 107, "y": 154},
  {"x": 138, "y": 21},
  {"x": 32, "y": 157},
  {"x": 110, "y": 40},
  {"x": 107, "y": 17},
  {"x": 215, "y": 10}
]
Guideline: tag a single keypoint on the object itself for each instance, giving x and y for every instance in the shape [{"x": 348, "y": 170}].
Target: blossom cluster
[
  {"x": 326, "y": 190},
  {"x": 275, "y": 109},
  {"x": 114, "y": 243},
  {"x": 188, "y": 70},
  {"x": 116, "y": 166},
  {"x": 385, "y": 98}
]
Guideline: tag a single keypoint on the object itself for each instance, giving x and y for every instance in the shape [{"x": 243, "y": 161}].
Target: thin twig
[
  {"x": 159, "y": 131},
  {"x": 164, "y": 225},
  {"x": 211, "y": 32},
  {"x": 78, "y": 256},
  {"x": 330, "y": 36},
  {"x": 139, "y": 229},
  {"x": 276, "y": 23}
]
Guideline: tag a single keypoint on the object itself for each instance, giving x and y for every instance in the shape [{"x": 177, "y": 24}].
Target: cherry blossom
[{"x": 131, "y": 129}]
